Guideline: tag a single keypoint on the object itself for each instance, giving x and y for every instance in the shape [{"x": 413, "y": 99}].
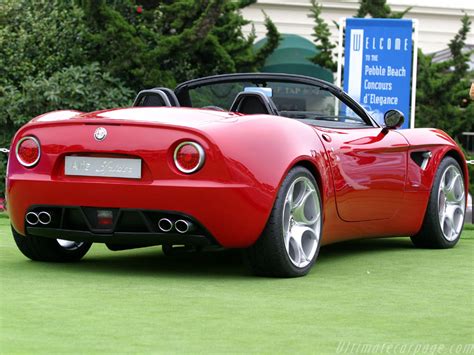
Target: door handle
[{"x": 326, "y": 137}]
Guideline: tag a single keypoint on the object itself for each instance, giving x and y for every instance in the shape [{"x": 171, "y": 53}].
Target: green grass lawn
[{"x": 364, "y": 292}]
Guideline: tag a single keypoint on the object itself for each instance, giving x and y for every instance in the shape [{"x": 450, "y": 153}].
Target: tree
[
  {"x": 378, "y": 9},
  {"x": 442, "y": 86},
  {"x": 40, "y": 39},
  {"x": 257, "y": 60},
  {"x": 322, "y": 39},
  {"x": 443, "y": 91},
  {"x": 174, "y": 41},
  {"x": 326, "y": 56}
]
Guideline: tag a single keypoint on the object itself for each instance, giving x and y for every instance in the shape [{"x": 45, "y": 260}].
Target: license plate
[{"x": 106, "y": 167}]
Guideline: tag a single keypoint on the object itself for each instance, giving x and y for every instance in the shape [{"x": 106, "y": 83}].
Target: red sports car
[{"x": 275, "y": 164}]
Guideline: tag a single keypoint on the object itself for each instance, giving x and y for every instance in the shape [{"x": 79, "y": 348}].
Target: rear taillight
[
  {"x": 28, "y": 151},
  {"x": 189, "y": 157}
]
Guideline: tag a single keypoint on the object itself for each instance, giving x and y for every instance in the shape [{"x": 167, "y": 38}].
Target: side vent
[{"x": 421, "y": 158}]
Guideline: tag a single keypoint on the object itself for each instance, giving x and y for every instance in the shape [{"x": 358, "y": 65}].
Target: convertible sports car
[{"x": 275, "y": 164}]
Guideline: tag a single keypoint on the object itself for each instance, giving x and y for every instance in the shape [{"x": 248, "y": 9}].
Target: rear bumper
[
  {"x": 125, "y": 227},
  {"x": 234, "y": 215},
  {"x": 121, "y": 238}
]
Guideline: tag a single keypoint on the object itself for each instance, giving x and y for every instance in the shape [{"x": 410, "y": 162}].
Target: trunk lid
[
  {"x": 146, "y": 134},
  {"x": 174, "y": 116}
]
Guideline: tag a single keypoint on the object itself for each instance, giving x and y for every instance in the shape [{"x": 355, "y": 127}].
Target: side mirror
[{"x": 393, "y": 119}]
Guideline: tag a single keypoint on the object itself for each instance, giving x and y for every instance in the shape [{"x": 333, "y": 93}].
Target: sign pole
[
  {"x": 414, "y": 72},
  {"x": 342, "y": 23}
]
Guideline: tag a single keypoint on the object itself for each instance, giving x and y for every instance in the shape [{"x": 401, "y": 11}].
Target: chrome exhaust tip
[
  {"x": 182, "y": 226},
  {"x": 32, "y": 218},
  {"x": 44, "y": 218},
  {"x": 165, "y": 225}
]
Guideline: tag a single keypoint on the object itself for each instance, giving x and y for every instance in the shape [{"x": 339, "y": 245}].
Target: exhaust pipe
[
  {"x": 165, "y": 225},
  {"x": 44, "y": 218},
  {"x": 183, "y": 226},
  {"x": 32, "y": 218}
]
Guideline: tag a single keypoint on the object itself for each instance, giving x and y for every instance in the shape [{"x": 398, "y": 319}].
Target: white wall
[{"x": 438, "y": 20}]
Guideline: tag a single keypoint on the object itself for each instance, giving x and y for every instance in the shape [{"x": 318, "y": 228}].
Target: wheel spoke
[
  {"x": 304, "y": 197},
  {"x": 305, "y": 205},
  {"x": 445, "y": 182},
  {"x": 441, "y": 204},
  {"x": 449, "y": 178},
  {"x": 448, "y": 226},
  {"x": 287, "y": 239},
  {"x": 303, "y": 239},
  {"x": 453, "y": 218},
  {"x": 302, "y": 254},
  {"x": 442, "y": 216},
  {"x": 458, "y": 190}
]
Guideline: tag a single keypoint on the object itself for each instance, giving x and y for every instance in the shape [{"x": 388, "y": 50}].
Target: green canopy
[{"x": 293, "y": 57}]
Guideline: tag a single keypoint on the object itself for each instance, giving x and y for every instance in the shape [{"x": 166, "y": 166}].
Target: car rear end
[{"x": 106, "y": 177}]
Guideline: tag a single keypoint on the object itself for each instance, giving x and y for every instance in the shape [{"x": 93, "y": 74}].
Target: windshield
[{"x": 313, "y": 104}]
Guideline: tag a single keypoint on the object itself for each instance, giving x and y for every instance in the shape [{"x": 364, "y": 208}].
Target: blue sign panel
[{"x": 377, "y": 67}]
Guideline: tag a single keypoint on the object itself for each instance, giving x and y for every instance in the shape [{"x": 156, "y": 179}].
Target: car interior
[{"x": 314, "y": 104}]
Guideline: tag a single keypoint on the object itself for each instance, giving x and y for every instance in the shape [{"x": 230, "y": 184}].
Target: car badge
[{"x": 100, "y": 134}]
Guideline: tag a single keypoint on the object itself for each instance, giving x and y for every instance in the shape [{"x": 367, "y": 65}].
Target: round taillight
[
  {"x": 28, "y": 151},
  {"x": 189, "y": 157}
]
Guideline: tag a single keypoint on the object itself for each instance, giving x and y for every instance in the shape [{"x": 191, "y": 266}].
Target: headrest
[
  {"x": 250, "y": 103},
  {"x": 155, "y": 98}
]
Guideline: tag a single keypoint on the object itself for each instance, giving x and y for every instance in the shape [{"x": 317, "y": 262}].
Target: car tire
[
  {"x": 444, "y": 217},
  {"x": 167, "y": 249},
  {"x": 289, "y": 244},
  {"x": 46, "y": 249}
]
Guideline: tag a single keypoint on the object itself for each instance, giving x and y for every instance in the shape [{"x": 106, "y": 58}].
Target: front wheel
[
  {"x": 45, "y": 249},
  {"x": 444, "y": 218},
  {"x": 289, "y": 244}
]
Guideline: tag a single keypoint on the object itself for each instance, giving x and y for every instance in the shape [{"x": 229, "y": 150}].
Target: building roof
[
  {"x": 445, "y": 54},
  {"x": 293, "y": 57}
]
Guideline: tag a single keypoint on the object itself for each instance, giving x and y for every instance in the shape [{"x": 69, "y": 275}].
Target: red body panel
[
  {"x": 369, "y": 184},
  {"x": 369, "y": 169},
  {"x": 439, "y": 143}
]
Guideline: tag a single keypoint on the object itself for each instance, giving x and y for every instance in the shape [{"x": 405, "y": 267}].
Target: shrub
[{"x": 44, "y": 66}]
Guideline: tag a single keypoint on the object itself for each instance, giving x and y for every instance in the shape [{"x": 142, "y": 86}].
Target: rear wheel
[
  {"x": 45, "y": 249},
  {"x": 289, "y": 245},
  {"x": 444, "y": 218}
]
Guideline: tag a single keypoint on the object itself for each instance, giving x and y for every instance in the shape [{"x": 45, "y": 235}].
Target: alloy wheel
[
  {"x": 451, "y": 203},
  {"x": 301, "y": 222}
]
